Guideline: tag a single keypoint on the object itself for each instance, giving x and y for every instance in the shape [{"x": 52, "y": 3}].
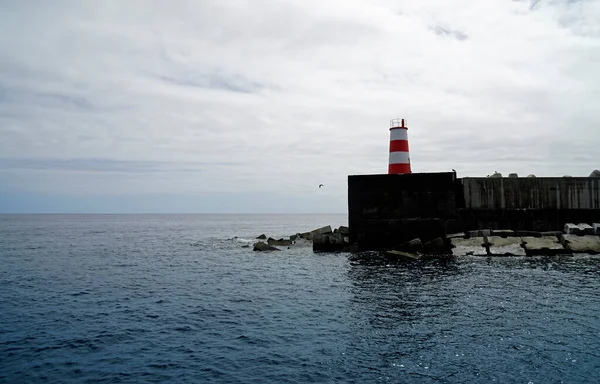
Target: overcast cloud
[{"x": 247, "y": 106}]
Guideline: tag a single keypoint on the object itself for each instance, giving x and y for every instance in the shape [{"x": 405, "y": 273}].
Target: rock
[
  {"x": 262, "y": 237},
  {"x": 305, "y": 235},
  {"x": 399, "y": 255},
  {"x": 496, "y": 174},
  {"x": 578, "y": 229},
  {"x": 475, "y": 246},
  {"x": 413, "y": 246},
  {"x": 263, "y": 247},
  {"x": 531, "y": 175},
  {"x": 586, "y": 244},
  {"x": 586, "y": 229},
  {"x": 435, "y": 246},
  {"x": 547, "y": 246},
  {"x": 596, "y": 228},
  {"x": 595, "y": 173},
  {"x": 513, "y": 175},
  {"x": 280, "y": 242},
  {"x": 322, "y": 231},
  {"x": 344, "y": 230},
  {"x": 505, "y": 246},
  {"x": 329, "y": 242},
  {"x": 294, "y": 237},
  {"x": 571, "y": 229}
]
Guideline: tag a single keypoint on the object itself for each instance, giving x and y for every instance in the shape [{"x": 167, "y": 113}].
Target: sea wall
[
  {"x": 531, "y": 193},
  {"x": 386, "y": 210}
]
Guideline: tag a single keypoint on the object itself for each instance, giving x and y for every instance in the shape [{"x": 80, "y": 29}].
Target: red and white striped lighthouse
[{"x": 399, "y": 155}]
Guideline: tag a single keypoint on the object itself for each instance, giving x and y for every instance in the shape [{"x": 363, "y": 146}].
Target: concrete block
[
  {"x": 585, "y": 244},
  {"x": 528, "y": 234},
  {"x": 503, "y": 232},
  {"x": 571, "y": 229},
  {"x": 322, "y": 231},
  {"x": 585, "y": 229},
  {"x": 579, "y": 229},
  {"x": 480, "y": 233},
  {"x": 547, "y": 246},
  {"x": 332, "y": 242},
  {"x": 435, "y": 246},
  {"x": 500, "y": 246},
  {"x": 344, "y": 230},
  {"x": 552, "y": 234},
  {"x": 473, "y": 246},
  {"x": 597, "y": 228}
]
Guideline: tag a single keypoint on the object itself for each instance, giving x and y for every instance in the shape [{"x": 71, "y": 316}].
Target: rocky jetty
[{"x": 324, "y": 239}]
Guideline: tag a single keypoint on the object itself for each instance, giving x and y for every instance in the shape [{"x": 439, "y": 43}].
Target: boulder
[
  {"x": 547, "y": 246},
  {"x": 264, "y": 247},
  {"x": 279, "y": 243},
  {"x": 262, "y": 237},
  {"x": 402, "y": 256},
  {"x": 585, "y": 244},
  {"x": 505, "y": 246},
  {"x": 413, "y": 246},
  {"x": 596, "y": 227},
  {"x": 595, "y": 173},
  {"x": 513, "y": 175},
  {"x": 328, "y": 242},
  {"x": 435, "y": 246},
  {"x": 475, "y": 246},
  {"x": 305, "y": 235},
  {"x": 344, "y": 230},
  {"x": 578, "y": 229},
  {"x": 322, "y": 231}
]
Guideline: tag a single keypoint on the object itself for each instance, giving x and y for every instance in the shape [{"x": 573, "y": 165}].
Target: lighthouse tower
[{"x": 399, "y": 156}]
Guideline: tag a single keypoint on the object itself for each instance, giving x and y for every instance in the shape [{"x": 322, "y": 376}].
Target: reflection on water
[{"x": 480, "y": 319}]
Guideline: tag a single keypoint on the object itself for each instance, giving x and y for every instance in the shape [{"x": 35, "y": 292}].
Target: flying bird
[{"x": 320, "y": 185}]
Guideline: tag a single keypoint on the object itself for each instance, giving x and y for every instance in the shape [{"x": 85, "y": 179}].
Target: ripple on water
[{"x": 178, "y": 299}]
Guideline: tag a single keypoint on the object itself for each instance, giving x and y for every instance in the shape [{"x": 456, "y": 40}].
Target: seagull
[{"x": 320, "y": 185}]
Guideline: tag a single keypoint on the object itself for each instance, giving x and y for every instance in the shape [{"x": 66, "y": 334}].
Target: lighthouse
[{"x": 399, "y": 155}]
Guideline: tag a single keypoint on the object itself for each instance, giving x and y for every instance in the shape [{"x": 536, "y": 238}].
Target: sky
[{"x": 246, "y": 106}]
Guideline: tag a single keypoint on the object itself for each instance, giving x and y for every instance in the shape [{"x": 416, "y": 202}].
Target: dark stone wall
[
  {"x": 532, "y": 193},
  {"x": 387, "y": 210},
  {"x": 540, "y": 220}
]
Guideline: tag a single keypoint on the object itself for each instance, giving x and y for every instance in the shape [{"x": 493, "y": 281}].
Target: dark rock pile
[{"x": 324, "y": 239}]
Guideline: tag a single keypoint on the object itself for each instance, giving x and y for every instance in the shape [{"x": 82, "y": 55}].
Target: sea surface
[{"x": 181, "y": 299}]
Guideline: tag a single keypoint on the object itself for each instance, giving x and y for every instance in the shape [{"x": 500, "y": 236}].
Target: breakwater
[{"x": 385, "y": 211}]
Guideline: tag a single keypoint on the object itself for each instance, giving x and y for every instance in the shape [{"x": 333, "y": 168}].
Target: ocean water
[{"x": 179, "y": 299}]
